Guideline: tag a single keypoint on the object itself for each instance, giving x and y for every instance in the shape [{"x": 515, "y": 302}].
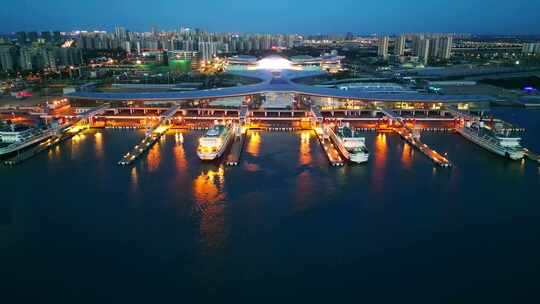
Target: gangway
[
  {"x": 390, "y": 114},
  {"x": 153, "y": 134},
  {"x": 233, "y": 159},
  {"x": 457, "y": 113},
  {"x": 413, "y": 138},
  {"x": 316, "y": 113},
  {"x": 531, "y": 155},
  {"x": 94, "y": 112}
]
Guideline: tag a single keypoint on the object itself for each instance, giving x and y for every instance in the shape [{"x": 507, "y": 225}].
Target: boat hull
[
  {"x": 492, "y": 147},
  {"x": 359, "y": 157},
  {"x": 14, "y": 148},
  {"x": 209, "y": 156}
]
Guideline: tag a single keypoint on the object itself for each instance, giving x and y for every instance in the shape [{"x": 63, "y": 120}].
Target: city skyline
[{"x": 302, "y": 17}]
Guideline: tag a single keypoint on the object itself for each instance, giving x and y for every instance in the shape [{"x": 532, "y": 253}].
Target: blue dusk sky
[{"x": 277, "y": 16}]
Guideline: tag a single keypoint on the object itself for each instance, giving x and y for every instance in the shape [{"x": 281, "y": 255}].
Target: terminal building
[{"x": 277, "y": 77}]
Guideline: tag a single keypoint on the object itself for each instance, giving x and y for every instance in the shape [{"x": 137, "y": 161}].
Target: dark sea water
[{"x": 283, "y": 226}]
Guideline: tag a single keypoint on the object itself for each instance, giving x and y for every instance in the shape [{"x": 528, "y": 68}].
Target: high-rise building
[
  {"x": 7, "y": 58},
  {"x": 433, "y": 48},
  {"x": 26, "y": 55},
  {"x": 68, "y": 56},
  {"x": 531, "y": 49},
  {"x": 440, "y": 48},
  {"x": 46, "y": 35},
  {"x": 400, "y": 46},
  {"x": 21, "y": 37},
  {"x": 32, "y": 36},
  {"x": 207, "y": 50},
  {"x": 57, "y": 36},
  {"x": 422, "y": 50},
  {"x": 444, "y": 48},
  {"x": 120, "y": 33},
  {"x": 382, "y": 50},
  {"x": 416, "y": 39}
]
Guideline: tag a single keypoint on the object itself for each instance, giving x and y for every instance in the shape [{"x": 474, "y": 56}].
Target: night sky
[{"x": 277, "y": 16}]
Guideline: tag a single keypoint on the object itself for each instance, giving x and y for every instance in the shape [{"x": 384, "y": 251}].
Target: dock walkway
[
  {"x": 331, "y": 151},
  {"x": 531, "y": 155},
  {"x": 233, "y": 159},
  {"x": 407, "y": 134},
  {"x": 435, "y": 156},
  {"x": 153, "y": 134}
]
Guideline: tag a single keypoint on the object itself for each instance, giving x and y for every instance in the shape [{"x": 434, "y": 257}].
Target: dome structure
[{"x": 274, "y": 63}]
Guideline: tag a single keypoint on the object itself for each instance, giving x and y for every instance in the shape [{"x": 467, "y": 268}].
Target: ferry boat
[
  {"x": 500, "y": 139},
  {"x": 350, "y": 144},
  {"x": 215, "y": 142},
  {"x": 14, "y": 138}
]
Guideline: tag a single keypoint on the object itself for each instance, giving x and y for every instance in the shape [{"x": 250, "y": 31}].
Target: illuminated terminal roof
[
  {"x": 276, "y": 74},
  {"x": 242, "y": 59},
  {"x": 274, "y": 63}
]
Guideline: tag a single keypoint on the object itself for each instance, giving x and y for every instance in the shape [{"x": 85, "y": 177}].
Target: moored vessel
[
  {"x": 350, "y": 143},
  {"x": 214, "y": 143},
  {"x": 14, "y": 137},
  {"x": 499, "y": 138}
]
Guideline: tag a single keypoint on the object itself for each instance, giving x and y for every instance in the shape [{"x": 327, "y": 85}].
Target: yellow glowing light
[{"x": 274, "y": 63}]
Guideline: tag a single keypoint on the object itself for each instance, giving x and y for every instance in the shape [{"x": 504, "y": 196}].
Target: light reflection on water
[
  {"x": 154, "y": 157},
  {"x": 304, "y": 191},
  {"x": 134, "y": 178},
  {"x": 231, "y": 219},
  {"x": 179, "y": 153},
  {"x": 406, "y": 155},
  {"x": 379, "y": 160},
  {"x": 305, "y": 147},
  {"x": 98, "y": 140},
  {"x": 254, "y": 143},
  {"x": 209, "y": 195},
  {"x": 76, "y": 142}
]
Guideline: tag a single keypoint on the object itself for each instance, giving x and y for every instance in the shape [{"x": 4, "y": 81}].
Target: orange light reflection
[
  {"x": 209, "y": 196},
  {"x": 254, "y": 143},
  {"x": 154, "y": 158},
  {"x": 305, "y": 149}
]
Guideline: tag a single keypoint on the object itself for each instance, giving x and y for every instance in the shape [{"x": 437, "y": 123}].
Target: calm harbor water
[{"x": 283, "y": 225}]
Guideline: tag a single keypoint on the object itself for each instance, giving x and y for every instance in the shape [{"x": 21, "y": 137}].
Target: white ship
[
  {"x": 350, "y": 144},
  {"x": 500, "y": 139},
  {"x": 215, "y": 142},
  {"x": 14, "y": 138}
]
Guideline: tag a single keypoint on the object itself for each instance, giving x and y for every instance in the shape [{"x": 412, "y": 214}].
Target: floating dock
[
  {"x": 139, "y": 149},
  {"x": 435, "y": 156},
  {"x": 233, "y": 159},
  {"x": 531, "y": 155},
  {"x": 52, "y": 141},
  {"x": 330, "y": 150},
  {"x": 152, "y": 136},
  {"x": 407, "y": 134},
  {"x": 31, "y": 152}
]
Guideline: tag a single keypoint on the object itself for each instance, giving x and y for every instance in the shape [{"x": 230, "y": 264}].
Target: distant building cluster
[
  {"x": 187, "y": 49},
  {"x": 423, "y": 47},
  {"x": 32, "y": 51},
  {"x": 206, "y": 44},
  {"x": 530, "y": 49}
]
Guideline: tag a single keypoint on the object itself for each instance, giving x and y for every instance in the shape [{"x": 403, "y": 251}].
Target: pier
[
  {"x": 531, "y": 155},
  {"x": 414, "y": 139},
  {"x": 64, "y": 133},
  {"x": 330, "y": 150},
  {"x": 152, "y": 136},
  {"x": 233, "y": 159},
  {"x": 484, "y": 141}
]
